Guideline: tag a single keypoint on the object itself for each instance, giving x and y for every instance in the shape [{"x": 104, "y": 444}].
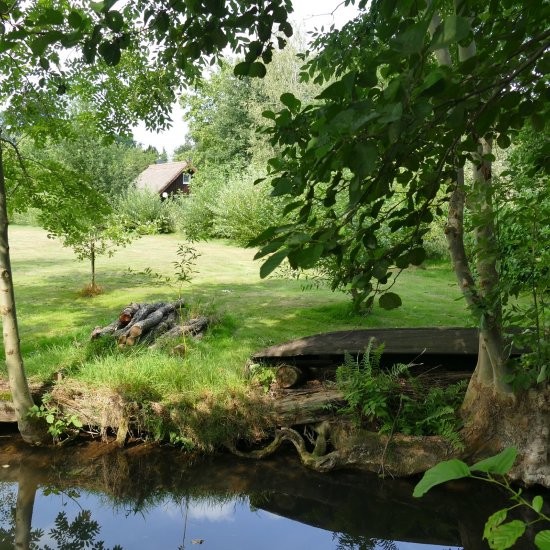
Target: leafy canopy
[{"x": 391, "y": 127}]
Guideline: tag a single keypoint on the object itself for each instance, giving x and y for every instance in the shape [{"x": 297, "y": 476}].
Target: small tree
[{"x": 93, "y": 241}]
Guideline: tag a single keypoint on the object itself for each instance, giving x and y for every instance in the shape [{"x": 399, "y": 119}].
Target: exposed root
[{"x": 400, "y": 455}]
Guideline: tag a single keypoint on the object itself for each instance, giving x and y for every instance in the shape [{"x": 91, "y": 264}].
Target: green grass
[{"x": 55, "y": 321}]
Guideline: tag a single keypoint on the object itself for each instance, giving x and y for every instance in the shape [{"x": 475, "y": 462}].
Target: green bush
[
  {"x": 196, "y": 218},
  {"x": 244, "y": 210},
  {"x": 228, "y": 206},
  {"x": 145, "y": 212}
]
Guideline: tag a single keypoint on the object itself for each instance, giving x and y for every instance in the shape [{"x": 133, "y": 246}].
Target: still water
[{"x": 96, "y": 496}]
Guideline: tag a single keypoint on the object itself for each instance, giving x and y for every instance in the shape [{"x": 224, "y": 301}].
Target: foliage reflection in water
[
  {"x": 73, "y": 519},
  {"x": 98, "y": 497}
]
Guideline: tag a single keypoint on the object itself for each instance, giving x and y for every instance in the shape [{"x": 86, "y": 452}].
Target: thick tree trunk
[
  {"x": 494, "y": 417},
  {"x": 492, "y": 356},
  {"x": 31, "y": 430}
]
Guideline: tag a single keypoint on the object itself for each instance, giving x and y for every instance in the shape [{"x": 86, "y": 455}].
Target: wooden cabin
[{"x": 166, "y": 179}]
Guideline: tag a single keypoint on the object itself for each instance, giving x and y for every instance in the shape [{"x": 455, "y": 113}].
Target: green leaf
[
  {"x": 162, "y": 22},
  {"x": 76, "y": 422},
  {"x": 52, "y": 17},
  {"x": 411, "y": 41},
  {"x": 286, "y": 29},
  {"x": 389, "y": 300},
  {"x": 503, "y": 141},
  {"x": 50, "y": 418},
  {"x": 391, "y": 113},
  {"x": 542, "y": 540},
  {"x": 289, "y": 100},
  {"x": 337, "y": 90},
  {"x": 273, "y": 262},
  {"x": 308, "y": 256},
  {"x": 499, "y": 464},
  {"x": 110, "y": 52},
  {"x": 363, "y": 159},
  {"x": 74, "y": 19},
  {"x": 537, "y": 503},
  {"x": 416, "y": 256},
  {"x": 114, "y": 20},
  {"x": 257, "y": 69},
  {"x": 505, "y": 535},
  {"x": 38, "y": 45},
  {"x": 241, "y": 69},
  {"x": 455, "y": 28},
  {"x": 434, "y": 83},
  {"x": 441, "y": 473}
]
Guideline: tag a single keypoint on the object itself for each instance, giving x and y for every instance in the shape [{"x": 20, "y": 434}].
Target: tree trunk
[
  {"x": 23, "y": 513},
  {"x": 490, "y": 372},
  {"x": 494, "y": 417},
  {"x": 32, "y": 431},
  {"x": 92, "y": 262}
]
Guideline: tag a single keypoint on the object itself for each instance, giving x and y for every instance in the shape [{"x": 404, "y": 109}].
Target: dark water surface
[{"x": 93, "y": 495}]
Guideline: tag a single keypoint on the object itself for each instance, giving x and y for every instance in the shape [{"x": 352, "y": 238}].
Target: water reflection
[{"x": 101, "y": 498}]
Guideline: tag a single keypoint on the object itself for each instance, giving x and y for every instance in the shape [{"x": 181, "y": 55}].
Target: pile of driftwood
[{"x": 147, "y": 323}]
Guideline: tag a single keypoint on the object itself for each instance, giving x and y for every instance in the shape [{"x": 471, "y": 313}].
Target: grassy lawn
[{"x": 55, "y": 321}]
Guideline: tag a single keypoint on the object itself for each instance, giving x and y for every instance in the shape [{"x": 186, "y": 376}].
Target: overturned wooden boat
[{"x": 317, "y": 356}]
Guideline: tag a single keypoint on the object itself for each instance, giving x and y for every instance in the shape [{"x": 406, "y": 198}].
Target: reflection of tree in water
[
  {"x": 350, "y": 542},
  {"x": 82, "y": 532}
]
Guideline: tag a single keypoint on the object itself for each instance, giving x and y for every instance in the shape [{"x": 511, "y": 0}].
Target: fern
[{"x": 381, "y": 399}]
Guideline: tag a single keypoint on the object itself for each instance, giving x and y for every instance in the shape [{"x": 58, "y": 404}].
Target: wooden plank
[{"x": 436, "y": 341}]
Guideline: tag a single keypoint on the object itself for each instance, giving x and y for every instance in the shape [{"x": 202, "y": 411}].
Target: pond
[{"x": 93, "y": 495}]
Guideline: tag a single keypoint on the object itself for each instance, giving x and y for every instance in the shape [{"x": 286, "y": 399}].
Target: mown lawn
[{"x": 55, "y": 321}]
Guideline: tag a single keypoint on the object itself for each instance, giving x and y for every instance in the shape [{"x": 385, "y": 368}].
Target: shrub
[
  {"x": 145, "y": 213},
  {"x": 197, "y": 216},
  {"x": 243, "y": 210},
  {"x": 228, "y": 206}
]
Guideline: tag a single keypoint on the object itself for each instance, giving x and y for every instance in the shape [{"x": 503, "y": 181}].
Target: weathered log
[
  {"x": 98, "y": 332},
  {"x": 150, "y": 321},
  {"x": 289, "y": 376},
  {"x": 191, "y": 328},
  {"x": 308, "y": 406},
  {"x": 164, "y": 326},
  {"x": 128, "y": 313}
]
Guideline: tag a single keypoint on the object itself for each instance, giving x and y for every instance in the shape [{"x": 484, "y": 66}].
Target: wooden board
[{"x": 400, "y": 341}]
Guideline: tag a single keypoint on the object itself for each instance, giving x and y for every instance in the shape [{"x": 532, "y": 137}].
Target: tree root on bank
[{"x": 398, "y": 456}]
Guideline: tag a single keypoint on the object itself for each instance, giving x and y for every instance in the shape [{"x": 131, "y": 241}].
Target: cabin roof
[{"x": 158, "y": 177}]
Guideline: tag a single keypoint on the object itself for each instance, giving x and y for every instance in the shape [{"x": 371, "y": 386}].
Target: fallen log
[
  {"x": 193, "y": 327},
  {"x": 98, "y": 332},
  {"x": 307, "y": 406},
  {"x": 289, "y": 376},
  {"x": 128, "y": 313},
  {"x": 153, "y": 319}
]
